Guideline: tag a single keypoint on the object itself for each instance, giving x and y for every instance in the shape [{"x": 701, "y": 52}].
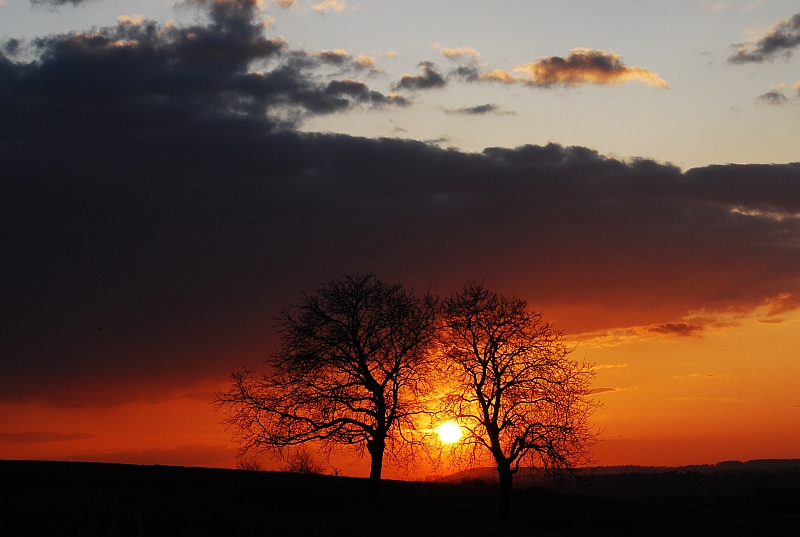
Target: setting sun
[{"x": 449, "y": 432}]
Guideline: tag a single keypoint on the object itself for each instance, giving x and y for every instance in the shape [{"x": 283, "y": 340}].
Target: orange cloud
[
  {"x": 136, "y": 20},
  {"x": 456, "y": 53},
  {"x": 334, "y": 6},
  {"x": 365, "y": 61},
  {"x": 582, "y": 66},
  {"x": 586, "y": 66}
]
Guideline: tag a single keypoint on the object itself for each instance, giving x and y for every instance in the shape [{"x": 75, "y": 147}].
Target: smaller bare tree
[
  {"x": 302, "y": 462},
  {"x": 251, "y": 465},
  {"x": 513, "y": 388}
]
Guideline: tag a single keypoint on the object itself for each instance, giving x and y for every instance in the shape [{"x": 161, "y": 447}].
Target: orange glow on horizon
[{"x": 726, "y": 393}]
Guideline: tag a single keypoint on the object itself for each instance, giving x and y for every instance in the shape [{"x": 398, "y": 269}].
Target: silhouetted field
[{"x": 61, "y": 498}]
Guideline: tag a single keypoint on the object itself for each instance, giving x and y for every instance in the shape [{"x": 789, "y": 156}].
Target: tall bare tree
[
  {"x": 352, "y": 369},
  {"x": 513, "y": 388}
]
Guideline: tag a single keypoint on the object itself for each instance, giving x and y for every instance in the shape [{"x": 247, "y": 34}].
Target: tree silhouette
[
  {"x": 352, "y": 369},
  {"x": 513, "y": 388}
]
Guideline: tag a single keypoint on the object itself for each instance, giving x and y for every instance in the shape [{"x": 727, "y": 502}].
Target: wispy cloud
[
  {"x": 701, "y": 376},
  {"x": 678, "y": 329},
  {"x": 754, "y": 5},
  {"x": 457, "y": 53},
  {"x": 779, "y": 40},
  {"x": 479, "y": 110},
  {"x": 603, "y": 390},
  {"x": 716, "y": 6},
  {"x": 331, "y": 6}
]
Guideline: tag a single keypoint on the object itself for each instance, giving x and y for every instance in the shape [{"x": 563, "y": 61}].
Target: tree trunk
[
  {"x": 506, "y": 480},
  {"x": 375, "y": 447}
]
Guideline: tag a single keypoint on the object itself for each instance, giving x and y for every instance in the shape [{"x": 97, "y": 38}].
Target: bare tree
[
  {"x": 251, "y": 465},
  {"x": 352, "y": 370},
  {"x": 513, "y": 388},
  {"x": 302, "y": 462}
]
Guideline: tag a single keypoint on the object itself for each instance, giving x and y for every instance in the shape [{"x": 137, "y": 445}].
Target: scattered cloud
[
  {"x": 713, "y": 6},
  {"x": 285, "y": 4},
  {"x": 779, "y": 40},
  {"x": 457, "y": 53},
  {"x": 335, "y": 57},
  {"x": 582, "y": 66},
  {"x": 701, "y": 376},
  {"x": 754, "y": 5},
  {"x": 390, "y": 54},
  {"x": 598, "y": 367},
  {"x": 42, "y": 437},
  {"x": 135, "y": 20},
  {"x": 365, "y": 61},
  {"x": 430, "y": 78},
  {"x": 774, "y": 97},
  {"x": 479, "y": 110},
  {"x": 331, "y": 6}
]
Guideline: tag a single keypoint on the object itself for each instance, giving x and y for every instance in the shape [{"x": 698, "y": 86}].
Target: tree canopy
[
  {"x": 353, "y": 369},
  {"x": 512, "y": 386}
]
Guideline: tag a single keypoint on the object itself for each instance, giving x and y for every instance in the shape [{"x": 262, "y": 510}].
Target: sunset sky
[{"x": 174, "y": 175}]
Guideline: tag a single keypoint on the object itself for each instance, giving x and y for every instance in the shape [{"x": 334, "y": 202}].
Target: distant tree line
[{"x": 371, "y": 366}]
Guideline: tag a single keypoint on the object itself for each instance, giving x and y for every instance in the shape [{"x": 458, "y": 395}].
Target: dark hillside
[{"x": 60, "y": 498}]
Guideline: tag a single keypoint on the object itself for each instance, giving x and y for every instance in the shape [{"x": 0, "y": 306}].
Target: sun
[{"x": 449, "y": 432}]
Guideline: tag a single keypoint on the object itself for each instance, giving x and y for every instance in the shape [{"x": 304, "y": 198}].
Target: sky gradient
[{"x": 176, "y": 174}]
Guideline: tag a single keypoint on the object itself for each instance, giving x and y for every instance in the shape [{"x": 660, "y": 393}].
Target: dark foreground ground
[{"x": 61, "y": 498}]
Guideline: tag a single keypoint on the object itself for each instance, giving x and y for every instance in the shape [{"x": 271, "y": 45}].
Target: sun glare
[{"x": 449, "y": 432}]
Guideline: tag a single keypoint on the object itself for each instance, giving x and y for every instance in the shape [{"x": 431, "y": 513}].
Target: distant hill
[
  {"x": 529, "y": 476},
  {"x": 39, "y": 498}
]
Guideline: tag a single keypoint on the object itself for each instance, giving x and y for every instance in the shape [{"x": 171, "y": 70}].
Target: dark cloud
[
  {"x": 156, "y": 211},
  {"x": 780, "y": 40},
  {"x": 773, "y": 97},
  {"x": 360, "y": 92},
  {"x": 479, "y": 110},
  {"x": 430, "y": 78},
  {"x": 42, "y": 437},
  {"x": 139, "y": 71},
  {"x": 678, "y": 329},
  {"x": 602, "y": 390}
]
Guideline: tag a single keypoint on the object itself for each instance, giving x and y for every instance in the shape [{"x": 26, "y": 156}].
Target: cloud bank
[{"x": 158, "y": 207}]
